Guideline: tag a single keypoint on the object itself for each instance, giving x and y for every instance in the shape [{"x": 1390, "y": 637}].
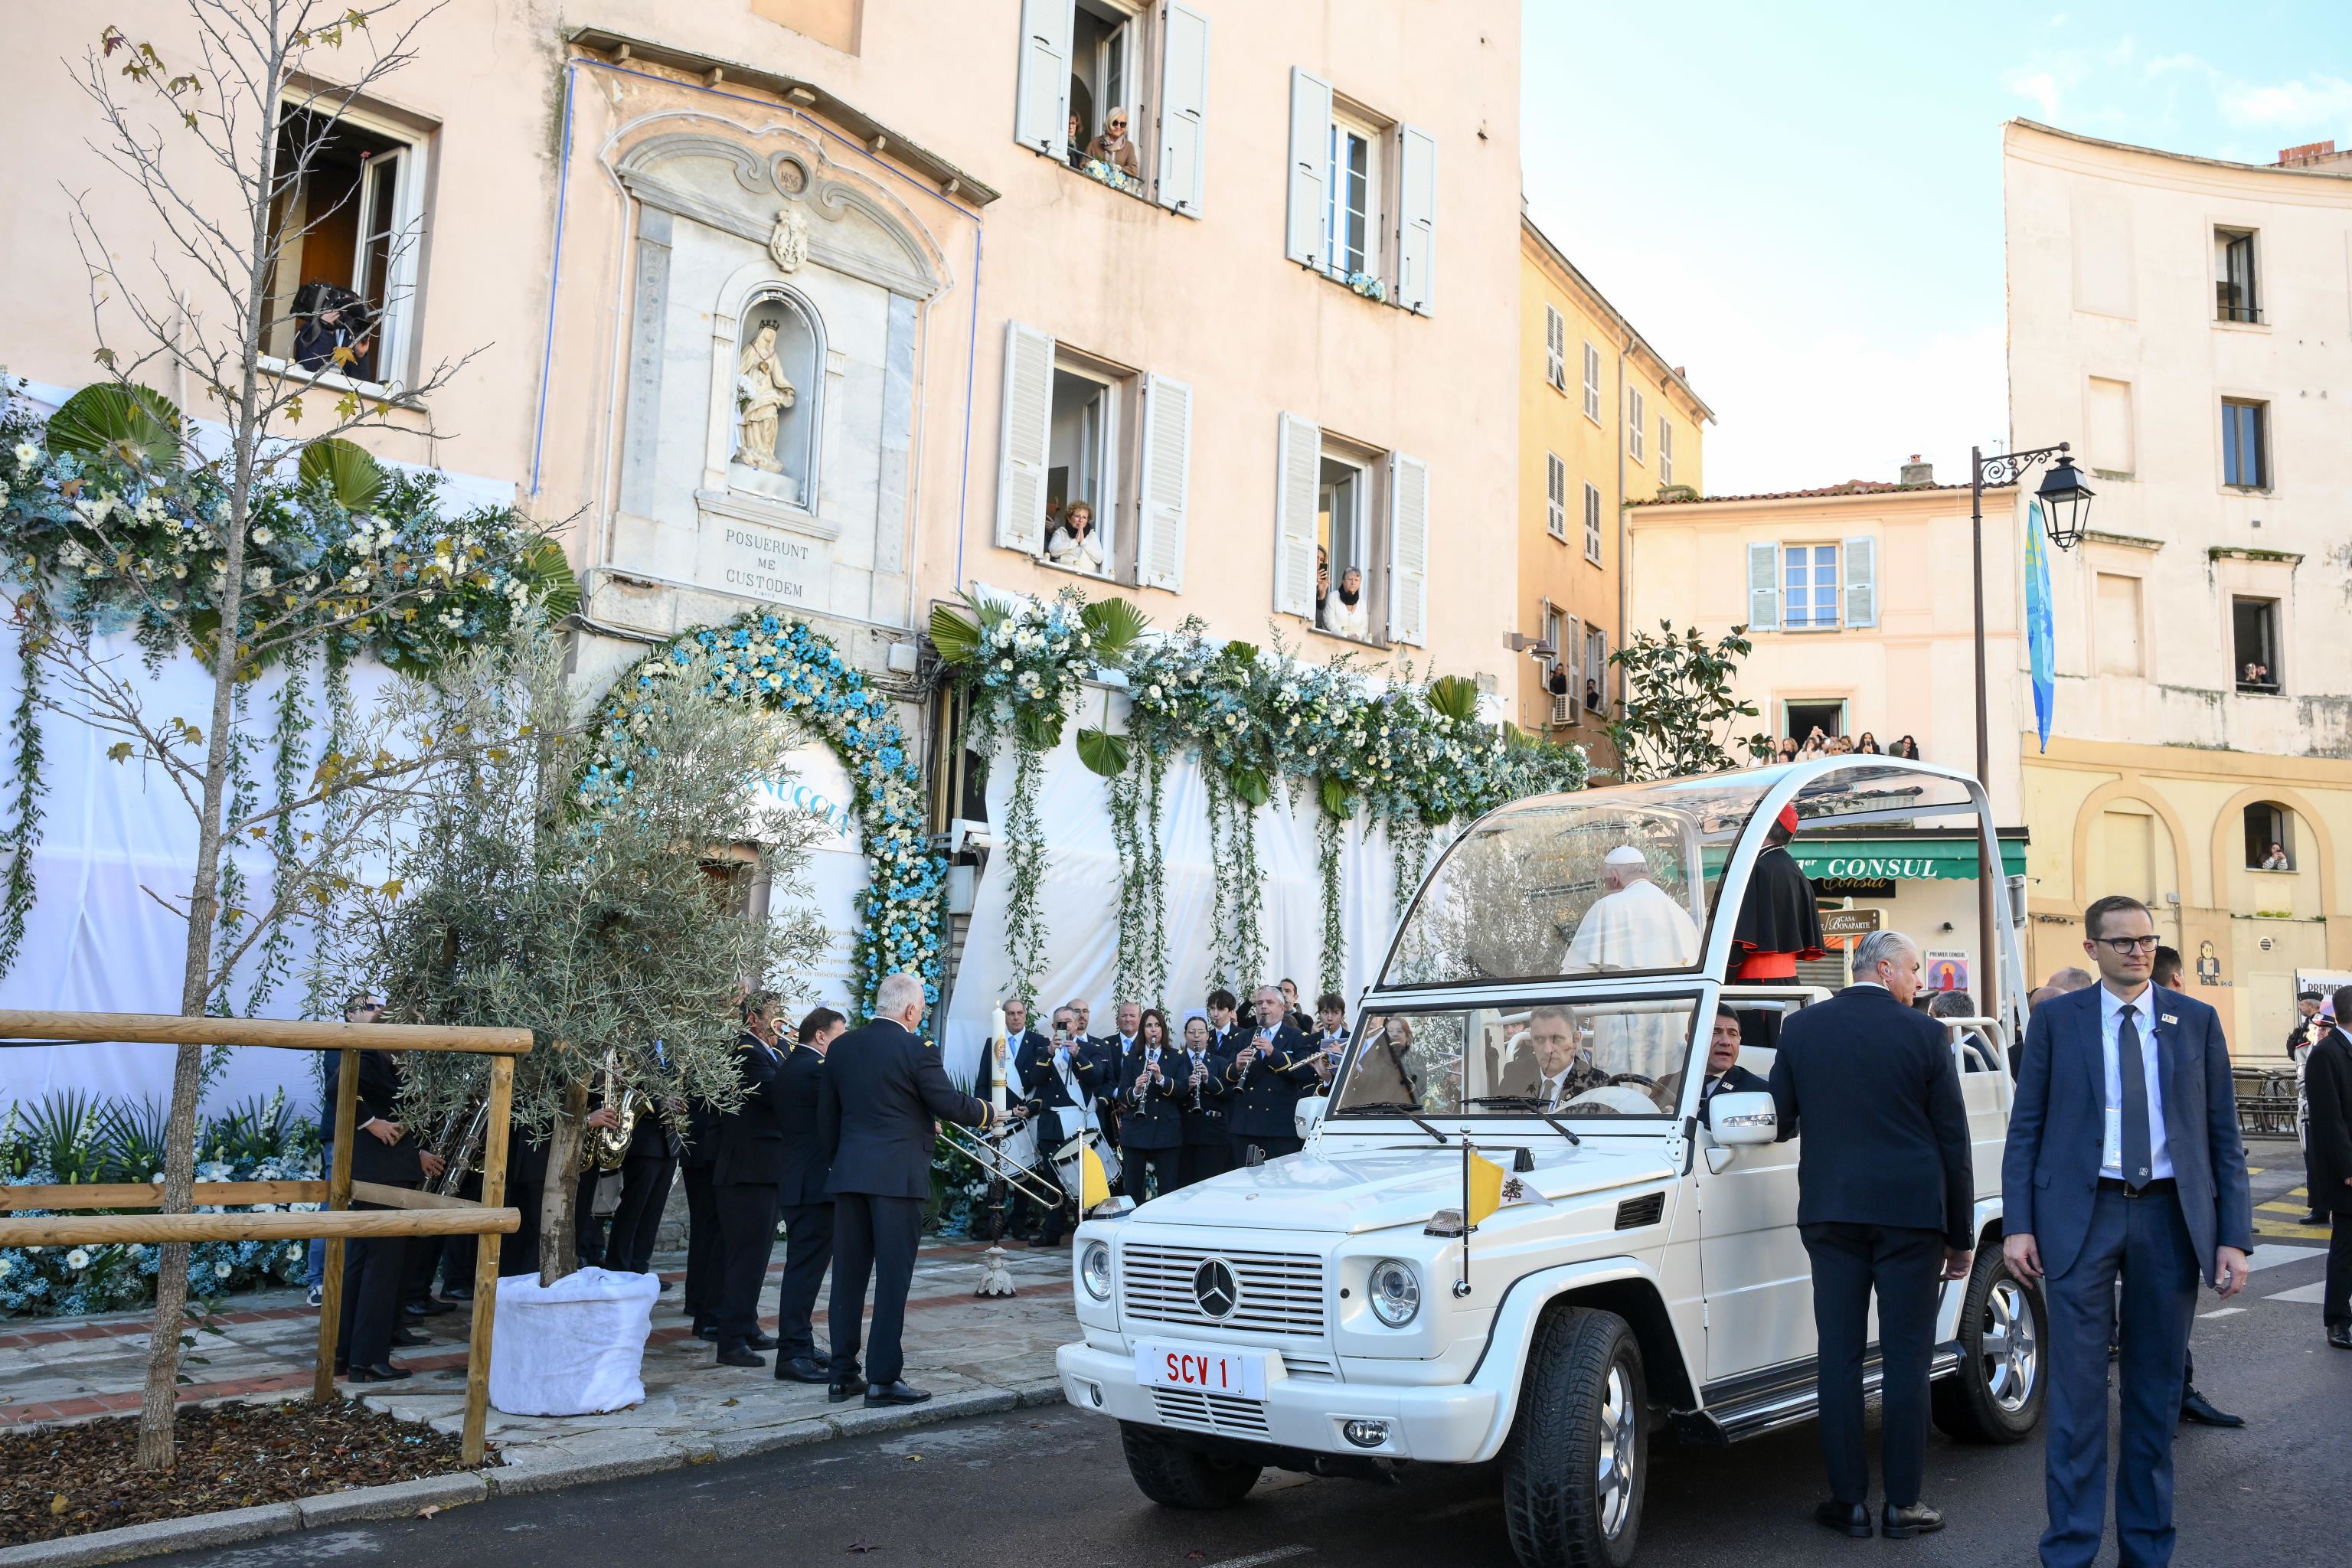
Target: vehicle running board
[{"x": 1751, "y": 1406}]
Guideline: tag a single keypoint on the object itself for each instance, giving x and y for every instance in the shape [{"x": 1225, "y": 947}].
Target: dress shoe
[
  {"x": 707, "y": 1332},
  {"x": 2313, "y": 1217},
  {"x": 759, "y": 1341},
  {"x": 2195, "y": 1406},
  {"x": 427, "y": 1308},
  {"x": 382, "y": 1372},
  {"x": 840, "y": 1389},
  {"x": 409, "y": 1338},
  {"x": 802, "y": 1369},
  {"x": 1913, "y": 1518},
  {"x": 737, "y": 1355},
  {"x": 894, "y": 1394},
  {"x": 1845, "y": 1517},
  {"x": 2340, "y": 1336}
]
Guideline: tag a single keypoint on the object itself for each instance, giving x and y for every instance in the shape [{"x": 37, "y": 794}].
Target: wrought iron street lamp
[{"x": 2065, "y": 502}]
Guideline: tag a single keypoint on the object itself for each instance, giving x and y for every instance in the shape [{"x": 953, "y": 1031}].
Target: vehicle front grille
[
  {"x": 1281, "y": 1292},
  {"x": 1197, "y": 1412}
]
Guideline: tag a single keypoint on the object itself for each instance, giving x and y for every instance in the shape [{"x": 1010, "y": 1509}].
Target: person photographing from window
[{"x": 329, "y": 319}]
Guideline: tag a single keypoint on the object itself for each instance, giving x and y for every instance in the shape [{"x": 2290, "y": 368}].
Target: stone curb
[{"x": 402, "y": 1498}]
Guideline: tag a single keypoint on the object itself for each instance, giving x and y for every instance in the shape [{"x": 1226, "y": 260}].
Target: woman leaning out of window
[{"x": 1074, "y": 542}]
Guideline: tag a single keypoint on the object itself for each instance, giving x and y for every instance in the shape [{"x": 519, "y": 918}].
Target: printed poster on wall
[{"x": 1944, "y": 970}]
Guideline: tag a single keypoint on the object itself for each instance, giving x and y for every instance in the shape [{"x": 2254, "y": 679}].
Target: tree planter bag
[{"x": 572, "y": 1348}]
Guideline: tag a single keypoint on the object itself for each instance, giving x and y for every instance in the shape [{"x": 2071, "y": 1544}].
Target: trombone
[{"x": 1000, "y": 1164}]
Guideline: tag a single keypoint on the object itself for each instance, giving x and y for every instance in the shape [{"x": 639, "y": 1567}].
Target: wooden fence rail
[{"x": 401, "y": 1211}]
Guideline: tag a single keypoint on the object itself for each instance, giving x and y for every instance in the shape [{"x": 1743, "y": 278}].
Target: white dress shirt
[{"x": 2111, "y": 1012}]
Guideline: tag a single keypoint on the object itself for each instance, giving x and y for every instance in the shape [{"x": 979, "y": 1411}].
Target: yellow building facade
[{"x": 1604, "y": 422}]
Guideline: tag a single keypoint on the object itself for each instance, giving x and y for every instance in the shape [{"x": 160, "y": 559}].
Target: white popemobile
[{"x": 1331, "y": 1311}]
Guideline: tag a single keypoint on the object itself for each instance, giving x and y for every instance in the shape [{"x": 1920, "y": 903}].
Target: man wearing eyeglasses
[
  {"x": 2124, "y": 1160},
  {"x": 1113, "y": 147}
]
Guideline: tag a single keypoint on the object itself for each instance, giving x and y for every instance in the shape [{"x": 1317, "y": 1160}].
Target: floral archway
[{"x": 766, "y": 657}]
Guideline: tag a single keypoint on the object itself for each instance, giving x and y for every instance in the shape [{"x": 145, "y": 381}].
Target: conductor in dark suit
[
  {"x": 802, "y": 1201},
  {"x": 382, "y": 1151},
  {"x": 746, "y": 1183},
  {"x": 1885, "y": 1202},
  {"x": 883, "y": 1086},
  {"x": 2123, "y": 1161},
  {"x": 2327, "y": 1081}
]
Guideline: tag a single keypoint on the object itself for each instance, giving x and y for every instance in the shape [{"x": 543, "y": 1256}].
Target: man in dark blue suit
[
  {"x": 803, "y": 1202},
  {"x": 1885, "y": 1202},
  {"x": 2123, "y": 1160},
  {"x": 746, "y": 1182},
  {"x": 882, "y": 1087}
]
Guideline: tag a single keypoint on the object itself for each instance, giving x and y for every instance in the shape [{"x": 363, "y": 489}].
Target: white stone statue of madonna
[{"x": 762, "y": 392}]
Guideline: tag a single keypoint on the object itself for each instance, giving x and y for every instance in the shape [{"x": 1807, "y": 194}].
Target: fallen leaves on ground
[{"x": 71, "y": 1479}]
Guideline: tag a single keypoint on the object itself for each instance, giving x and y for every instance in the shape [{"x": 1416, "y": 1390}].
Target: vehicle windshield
[
  {"x": 1618, "y": 881},
  {"x": 1580, "y": 1060}
]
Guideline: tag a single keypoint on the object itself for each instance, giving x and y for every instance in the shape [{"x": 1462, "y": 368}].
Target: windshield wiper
[
  {"x": 1404, "y": 1108},
  {"x": 1529, "y": 1102}
]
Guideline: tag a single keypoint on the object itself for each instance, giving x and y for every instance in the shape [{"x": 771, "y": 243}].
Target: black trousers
[
  {"x": 1902, "y": 1265},
  {"x": 1203, "y": 1161},
  {"x": 704, "y": 1248},
  {"x": 1167, "y": 1164},
  {"x": 459, "y": 1253},
  {"x": 1044, "y": 1222},
  {"x": 874, "y": 1237},
  {"x": 518, "y": 1253},
  {"x": 645, "y": 1190},
  {"x": 808, "y": 1250},
  {"x": 372, "y": 1271},
  {"x": 419, "y": 1259},
  {"x": 2335, "y": 1292},
  {"x": 747, "y": 1225},
  {"x": 1272, "y": 1148}
]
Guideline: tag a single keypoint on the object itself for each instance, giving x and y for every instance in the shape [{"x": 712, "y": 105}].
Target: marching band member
[
  {"x": 1200, "y": 1100},
  {"x": 1264, "y": 1080},
  {"x": 1330, "y": 1041},
  {"x": 1152, "y": 1135},
  {"x": 1051, "y": 1096}
]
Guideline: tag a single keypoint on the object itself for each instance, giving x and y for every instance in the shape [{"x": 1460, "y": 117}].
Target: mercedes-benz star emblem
[{"x": 1216, "y": 1289}]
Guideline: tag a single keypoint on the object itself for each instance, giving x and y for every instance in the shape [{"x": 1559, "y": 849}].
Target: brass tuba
[{"x": 608, "y": 1146}]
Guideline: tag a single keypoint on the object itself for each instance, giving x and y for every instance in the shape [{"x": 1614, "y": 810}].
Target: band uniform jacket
[
  {"x": 1152, "y": 1120},
  {"x": 396, "y": 1165},
  {"x": 1101, "y": 1075},
  {"x": 751, "y": 1137},
  {"x": 880, "y": 1090},
  {"x": 1261, "y": 1094},
  {"x": 1205, "y": 1127},
  {"x": 2328, "y": 1080},
  {"x": 1042, "y": 1091},
  {"x": 701, "y": 1134}
]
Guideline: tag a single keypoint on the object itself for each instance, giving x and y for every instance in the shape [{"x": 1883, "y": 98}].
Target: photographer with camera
[{"x": 331, "y": 320}]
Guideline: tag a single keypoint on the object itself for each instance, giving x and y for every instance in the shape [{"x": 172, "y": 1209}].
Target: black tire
[
  {"x": 1999, "y": 1392},
  {"x": 1577, "y": 1464},
  {"x": 1176, "y": 1474}
]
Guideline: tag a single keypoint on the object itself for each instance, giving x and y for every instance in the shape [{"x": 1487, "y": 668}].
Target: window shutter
[
  {"x": 1665, "y": 451},
  {"x": 1416, "y": 220},
  {"x": 1861, "y": 581},
  {"x": 1572, "y": 659},
  {"x": 1592, "y": 382},
  {"x": 1041, "y": 111},
  {"x": 1600, "y": 672},
  {"x": 1310, "y": 148},
  {"x": 1634, "y": 414},
  {"x": 1299, "y": 473},
  {"x": 1408, "y": 549},
  {"x": 1555, "y": 348},
  {"x": 1763, "y": 587},
  {"x": 1556, "y": 495},
  {"x": 1183, "y": 108},
  {"x": 1167, "y": 483},
  {"x": 1028, "y": 430}
]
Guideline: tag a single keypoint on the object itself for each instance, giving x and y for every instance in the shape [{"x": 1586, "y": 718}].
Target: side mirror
[
  {"x": 1307, "y": 1114},
  {"x": 1742, "y": 1120}
]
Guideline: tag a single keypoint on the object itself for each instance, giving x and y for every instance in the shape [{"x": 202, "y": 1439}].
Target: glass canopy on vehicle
[{"x": 1625, "y": 879}]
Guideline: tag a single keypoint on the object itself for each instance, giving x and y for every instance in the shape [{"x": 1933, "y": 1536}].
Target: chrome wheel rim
[
  {"x": 2009, "y": 1354},
  {"x": 1613, "y": 1480}
]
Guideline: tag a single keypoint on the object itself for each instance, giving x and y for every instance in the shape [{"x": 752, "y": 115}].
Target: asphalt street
[{"x": 1047, "y": 1488}]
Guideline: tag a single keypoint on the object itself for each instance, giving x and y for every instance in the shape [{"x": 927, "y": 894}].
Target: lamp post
[{"x": 2065, "y": 502}]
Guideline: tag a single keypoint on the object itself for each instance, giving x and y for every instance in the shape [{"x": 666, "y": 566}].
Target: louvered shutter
[
  {"x": 1310, "y": 151},
  {"x": 1299, "y": 473},
  {"x": 1861, "y": 581},
  {"x": 1555, "y": 348},
  {"x": 1763, "y": 587},
  {"x": 1416, "y": 220},
  {"x": 1572, "y": 658},
  {"x": 1028, "y": 429},
  {"x": 1592, "y": 382},
  {"x": 1041, "y": 111},
  {"x": 1408, "y": 549},
  {"x": 1167, "y": 483},
  {"x": 1183, "y": 107}
]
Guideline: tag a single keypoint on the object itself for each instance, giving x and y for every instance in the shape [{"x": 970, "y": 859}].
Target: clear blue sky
[{"x": 1801, "y": 202}]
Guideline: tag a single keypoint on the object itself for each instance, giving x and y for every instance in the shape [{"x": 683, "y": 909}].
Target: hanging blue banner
[{"x": 2040, "y": 633}]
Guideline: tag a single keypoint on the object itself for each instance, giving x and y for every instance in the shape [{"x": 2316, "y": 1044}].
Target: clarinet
[{"x": 1198, "y": 1064}]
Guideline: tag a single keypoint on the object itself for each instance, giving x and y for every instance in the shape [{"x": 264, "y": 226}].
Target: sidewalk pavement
[{"x": 974, "y": 1353}]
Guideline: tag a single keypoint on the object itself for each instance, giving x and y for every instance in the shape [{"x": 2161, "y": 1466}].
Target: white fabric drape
[{"x": 1079, "y": 895}]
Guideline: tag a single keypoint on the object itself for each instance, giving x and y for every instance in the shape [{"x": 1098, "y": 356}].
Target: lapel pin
[{"x": 2170, "y": 1018}]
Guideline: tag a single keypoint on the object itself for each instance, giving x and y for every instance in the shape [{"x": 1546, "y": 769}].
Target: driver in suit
[{"x": 1724, "y": 1074}]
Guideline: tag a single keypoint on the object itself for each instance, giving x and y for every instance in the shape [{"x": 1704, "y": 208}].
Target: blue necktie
[{"x": 2137, "y": 1157}]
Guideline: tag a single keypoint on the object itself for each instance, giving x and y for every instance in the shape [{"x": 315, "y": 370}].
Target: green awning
[{"x": 1900, "y": 859}]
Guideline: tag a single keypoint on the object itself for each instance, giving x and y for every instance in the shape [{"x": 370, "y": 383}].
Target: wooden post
[
  {"x": 339, "y": 1195},
  {"x": 497, "y": 1122}
]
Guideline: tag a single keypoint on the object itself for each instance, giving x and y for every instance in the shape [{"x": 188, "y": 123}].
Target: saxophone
[{"x": 608, "y": 1146}]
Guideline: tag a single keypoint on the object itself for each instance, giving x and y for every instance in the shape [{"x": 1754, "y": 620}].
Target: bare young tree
[{"x": 216, "y": 131}]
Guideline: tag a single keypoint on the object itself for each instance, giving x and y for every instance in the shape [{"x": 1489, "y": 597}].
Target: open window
[
  {"x": 1803, "y": 717},
  {"x": 2253, "y": 625},
  {"x": 1346, "y": 507},
  {"x": 1082, "y": 470},
  {"x": 1559, "y": 669},
  {"x": 2236, "y": 298},
  {"x": 1362, "y": 196},
  {"x": 1119, "y": 92},
  {"x": 2269, "y": 837},
  {"x": 350, "y": 220}
]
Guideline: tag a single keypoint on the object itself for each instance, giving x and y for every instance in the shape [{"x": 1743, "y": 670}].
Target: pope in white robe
[{"x": 1636, "y": 924}]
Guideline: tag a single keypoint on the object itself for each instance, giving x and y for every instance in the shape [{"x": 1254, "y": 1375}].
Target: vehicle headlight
[
  {"x": 1395, "y": 1292},
  {"x": 1094, "y": 1270}
]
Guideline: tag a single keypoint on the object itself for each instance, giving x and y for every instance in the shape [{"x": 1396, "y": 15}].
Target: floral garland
[
  {"x": 1327, "y": 831},
  {"x": 762, "y": 657}
]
